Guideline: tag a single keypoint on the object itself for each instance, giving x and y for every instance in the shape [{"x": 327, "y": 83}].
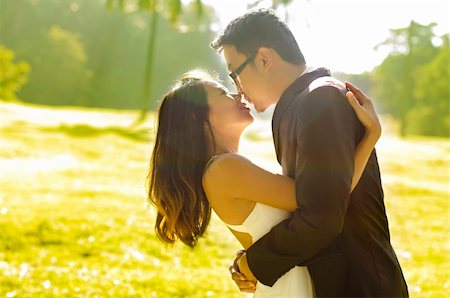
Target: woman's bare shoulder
[
  {"x": 225, "y": 163},
  {"x": 222, "y": 170}
]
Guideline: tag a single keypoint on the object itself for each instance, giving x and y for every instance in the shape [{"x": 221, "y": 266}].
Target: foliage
[
  {"x": 412, "y": 82},
  {"x": 73, "y": 219},
  {"x": 432, "y": 93},
  {"x": 173, "y": 10},
  {"x": 54, "y": 36},
  {"x": 60, "y": 69},
  {"x": 12, "y": 75}
]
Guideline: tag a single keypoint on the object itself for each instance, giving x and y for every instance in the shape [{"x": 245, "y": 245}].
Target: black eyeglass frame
[{"x": 233, "y": 75}]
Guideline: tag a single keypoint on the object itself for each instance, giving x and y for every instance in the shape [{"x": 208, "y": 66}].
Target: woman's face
[{"x": 226, "y": 112}]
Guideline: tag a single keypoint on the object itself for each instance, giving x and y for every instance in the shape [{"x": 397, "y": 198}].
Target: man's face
[{"x": 249, "y": 79}]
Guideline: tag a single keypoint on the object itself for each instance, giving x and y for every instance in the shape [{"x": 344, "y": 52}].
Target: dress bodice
[
  {"x": 260, "y": 220},
  {"x": 296, "y": 282}
]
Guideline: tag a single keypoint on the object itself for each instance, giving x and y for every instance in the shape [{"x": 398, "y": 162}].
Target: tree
[
  {"x": 431, "y": 114},
  {"x": 395, "y": 78},
  {"x": 114, "y": 46},
  {"x": 59, "y": 69},
  {"x": 172, "y": 9},
  {"x": 12, "y": 75}
]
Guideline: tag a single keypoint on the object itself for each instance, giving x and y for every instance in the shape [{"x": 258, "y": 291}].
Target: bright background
[
  {"x": 79, "y": 84},
  {"x": 342, "y": 35}
]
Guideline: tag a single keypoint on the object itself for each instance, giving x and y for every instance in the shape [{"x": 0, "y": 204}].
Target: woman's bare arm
[
  {"x": 234, "y": 176},
  {"x": 366, "y": 113}
]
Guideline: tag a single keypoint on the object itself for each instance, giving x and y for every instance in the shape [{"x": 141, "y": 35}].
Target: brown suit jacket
[{"x": 343, "y": 238}]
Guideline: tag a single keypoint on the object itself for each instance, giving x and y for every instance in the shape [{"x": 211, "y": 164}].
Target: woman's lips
[{"x": 243, "y": 106}]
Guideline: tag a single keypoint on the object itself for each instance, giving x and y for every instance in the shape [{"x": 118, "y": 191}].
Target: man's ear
[{"x": 266, "y": 56}]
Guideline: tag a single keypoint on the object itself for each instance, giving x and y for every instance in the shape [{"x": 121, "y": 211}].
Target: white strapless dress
[{"x": 296, "y": 282}]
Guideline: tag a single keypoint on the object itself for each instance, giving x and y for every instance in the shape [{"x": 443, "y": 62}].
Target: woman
[{"x": 195, "y": 167}]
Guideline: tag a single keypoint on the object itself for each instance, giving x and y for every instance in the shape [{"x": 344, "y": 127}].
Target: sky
[{"x": 341, "y": 34}]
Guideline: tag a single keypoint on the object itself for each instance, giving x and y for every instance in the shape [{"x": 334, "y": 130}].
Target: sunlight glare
[
  {"x": 47, "y": 284},
  {"x": 341, "y": 35}
]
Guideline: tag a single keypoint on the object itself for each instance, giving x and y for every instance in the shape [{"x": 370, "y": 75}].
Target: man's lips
[
  {"x": 243, "y": 106},
  {"x": 244, "y": 102}
]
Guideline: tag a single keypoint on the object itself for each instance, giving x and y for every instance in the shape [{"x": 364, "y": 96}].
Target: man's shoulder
[
  {"x": 317, "y": 92},
  {"x": 323, "y": 91},
  {"x": 326, "y": 81},
  {"x": 325, "y": 96}
]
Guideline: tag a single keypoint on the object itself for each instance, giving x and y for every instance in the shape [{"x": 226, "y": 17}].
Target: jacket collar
[{"x": 297, "y": 86}]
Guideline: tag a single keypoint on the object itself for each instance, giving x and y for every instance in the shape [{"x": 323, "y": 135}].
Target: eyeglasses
[{"x": 233, "y": 75}]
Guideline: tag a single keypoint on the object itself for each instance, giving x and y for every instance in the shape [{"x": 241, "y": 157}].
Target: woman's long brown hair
[{"x": 178, "y": 161}]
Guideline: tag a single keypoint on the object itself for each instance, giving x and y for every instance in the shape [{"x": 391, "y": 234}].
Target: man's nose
[
  {"x": 240, "y": 92},
  {"x": 237, "y": 97}
]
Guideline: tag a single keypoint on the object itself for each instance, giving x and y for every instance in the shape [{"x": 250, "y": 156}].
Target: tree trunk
[{"x": 148, "y": 78}]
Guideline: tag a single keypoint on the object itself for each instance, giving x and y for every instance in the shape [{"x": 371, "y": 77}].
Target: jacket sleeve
[{"x": 325, "y": 144}]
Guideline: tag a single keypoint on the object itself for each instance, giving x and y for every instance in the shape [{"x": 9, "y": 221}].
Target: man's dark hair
[{"x": 260, "y": 28}]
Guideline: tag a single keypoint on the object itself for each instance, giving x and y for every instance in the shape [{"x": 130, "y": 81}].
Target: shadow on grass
[{"x": 83, "y": 130}]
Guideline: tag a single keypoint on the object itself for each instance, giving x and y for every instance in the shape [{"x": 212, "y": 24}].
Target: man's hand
[{"x": 245, "y": 284}]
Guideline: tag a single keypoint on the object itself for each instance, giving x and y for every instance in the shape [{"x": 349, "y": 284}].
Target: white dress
[{"x": 296, "y": 282}]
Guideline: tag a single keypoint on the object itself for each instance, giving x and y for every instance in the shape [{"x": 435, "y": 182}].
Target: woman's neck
[{"x": 222, "y": 144}]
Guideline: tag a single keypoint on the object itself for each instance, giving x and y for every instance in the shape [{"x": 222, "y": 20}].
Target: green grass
[{"x": 74, "y": 220}]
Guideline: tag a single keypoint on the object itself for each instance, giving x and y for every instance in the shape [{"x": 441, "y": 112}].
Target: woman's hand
[
  {"x": 365, "y": 110},
  {"x": 366, "y": 113},
  {"x": 245, "y": 284}
]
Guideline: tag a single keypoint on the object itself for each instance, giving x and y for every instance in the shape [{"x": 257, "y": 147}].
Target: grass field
[{"x": 74, "y": 220}]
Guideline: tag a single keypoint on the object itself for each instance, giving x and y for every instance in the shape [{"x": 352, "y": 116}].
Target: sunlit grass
[
  {"x": 74, "y": 220},
  {"x": 416, "y": 182}
]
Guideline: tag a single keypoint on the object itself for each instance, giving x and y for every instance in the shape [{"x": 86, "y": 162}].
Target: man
[{"x": 342, "y": 238}]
